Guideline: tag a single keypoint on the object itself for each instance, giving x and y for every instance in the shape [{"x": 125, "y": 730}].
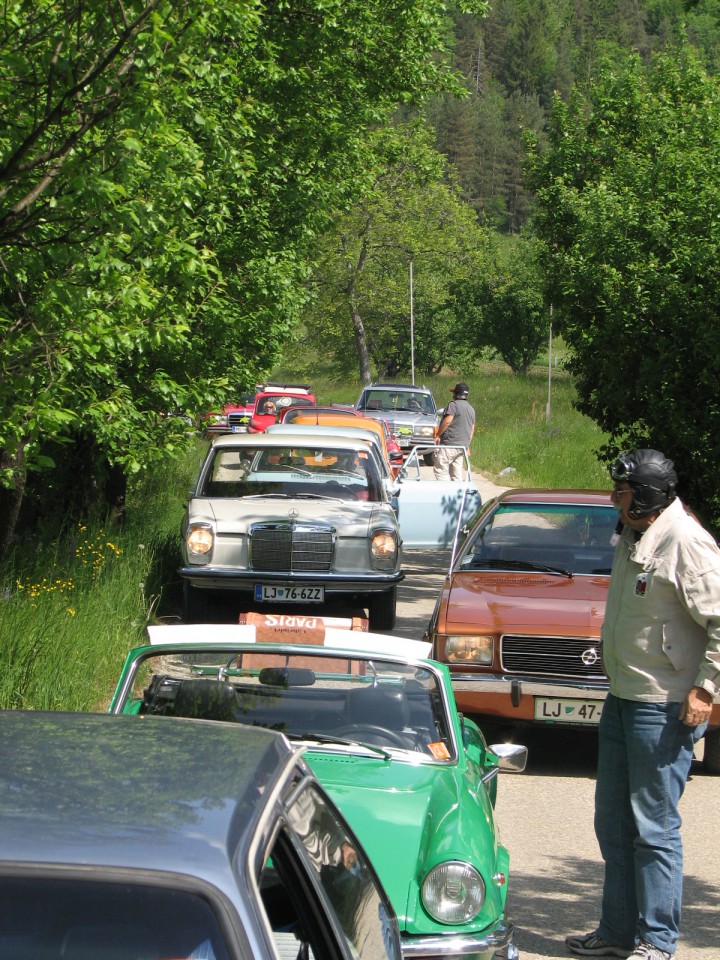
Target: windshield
[
  {"x": 573, "y": 538},
  {"x": 338, "y": 700},
  {"x": 410, "y": 401},
  {"x": 342, "y": 474}
]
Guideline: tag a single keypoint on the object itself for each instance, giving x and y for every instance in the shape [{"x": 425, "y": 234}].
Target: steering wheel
[{"x": 355, "y": 731}]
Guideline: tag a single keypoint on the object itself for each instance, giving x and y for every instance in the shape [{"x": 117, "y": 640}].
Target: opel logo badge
[
  {"x": 590, "y": 656},
  {"x": 293, "y": 513}
]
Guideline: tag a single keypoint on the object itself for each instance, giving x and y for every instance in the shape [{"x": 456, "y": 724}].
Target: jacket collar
[{"x": 644, "y": 549}]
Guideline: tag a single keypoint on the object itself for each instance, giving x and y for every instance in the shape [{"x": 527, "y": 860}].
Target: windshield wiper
[
  {"x": 519, "y": 565},
  {"x": 325, "y": 738}
]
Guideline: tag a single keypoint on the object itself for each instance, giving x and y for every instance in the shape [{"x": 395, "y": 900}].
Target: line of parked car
[
  {"x": 518, "y": 618},
  {"x": 292, "y": 786}
]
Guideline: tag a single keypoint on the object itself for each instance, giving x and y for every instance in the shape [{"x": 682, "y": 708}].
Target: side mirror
[{"x": 512, "y": 757}]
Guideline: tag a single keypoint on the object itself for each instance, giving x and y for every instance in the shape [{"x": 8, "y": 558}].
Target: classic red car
[
  {"x": 233, "y": 418},
  {"x": 276, "y": 397}
]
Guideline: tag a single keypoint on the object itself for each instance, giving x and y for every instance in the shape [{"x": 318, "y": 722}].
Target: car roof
[
  {"x": 90, "y": 789},
  {"x": 281, "y": 438},
  {"x": 552, "y": 495},
  {"x": 396, "y": 386},
  {"x": 322, "y": 430}
]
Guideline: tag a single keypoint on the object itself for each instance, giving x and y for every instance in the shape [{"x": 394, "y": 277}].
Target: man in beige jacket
[{"x": 661, "y": 649}]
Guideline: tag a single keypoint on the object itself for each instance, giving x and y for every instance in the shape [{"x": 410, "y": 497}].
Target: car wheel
[
  {"x": 381, "y": 610},
  {"x": 196, "y": 604},
  {"x": 429, "y": 459},
  {"x": 711, "y": 759}
]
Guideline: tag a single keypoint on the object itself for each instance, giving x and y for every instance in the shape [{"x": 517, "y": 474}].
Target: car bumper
[
  {"x": 334, "y": 585},
  {"x": 497, "y": 943},
  {"x": 513, "y": 698}
]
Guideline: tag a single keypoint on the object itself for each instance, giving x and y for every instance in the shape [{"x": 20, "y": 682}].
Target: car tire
[
  {"x": 196, "y": 604},
  {"x": 381, "y": 610},
  {"x": 429, "y": 459},
  {"x": 711, "y": 758}
]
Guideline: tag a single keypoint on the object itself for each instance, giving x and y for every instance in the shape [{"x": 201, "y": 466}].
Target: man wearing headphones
[
  {"x": 456, "y": 429},
  {"x": 661, "y": 650}
]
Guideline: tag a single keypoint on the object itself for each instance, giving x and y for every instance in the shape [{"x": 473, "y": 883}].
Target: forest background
[{"x": 192, "y": 194}]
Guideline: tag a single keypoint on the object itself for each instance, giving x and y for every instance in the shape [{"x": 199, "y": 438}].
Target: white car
[{"x": 291, "y": 520}]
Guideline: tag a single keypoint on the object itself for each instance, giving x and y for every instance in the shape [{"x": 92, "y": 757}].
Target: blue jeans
[{"x": 643, "y": 765}]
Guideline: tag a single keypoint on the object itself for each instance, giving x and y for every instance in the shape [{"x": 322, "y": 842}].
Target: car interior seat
[{"x": 205, "y": 699}]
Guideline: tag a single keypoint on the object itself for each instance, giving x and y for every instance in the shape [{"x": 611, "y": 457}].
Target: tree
[
  {"x": 629, "y": 212},
  {"x": 361, "y": 309},
  {"x": 503, "y": 307},
  {"x": 163, "y": 167}
]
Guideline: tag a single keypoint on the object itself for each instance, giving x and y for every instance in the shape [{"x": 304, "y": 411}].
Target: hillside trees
[
  {"x": 360, "y": 310},
  {"x": 524, "y": 51},
  {"x": 162, "y": 168},
  {"x": 629, "y": 211}
]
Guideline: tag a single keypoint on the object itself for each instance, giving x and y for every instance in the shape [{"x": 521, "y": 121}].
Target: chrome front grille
[
  {"x": 291, "y": 547},
  {"x": 578, "y": 657},
  {"x": 238, "y": 419}
]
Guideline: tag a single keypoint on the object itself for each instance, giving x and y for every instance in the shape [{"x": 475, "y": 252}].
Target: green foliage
[
  {"x": 163, "y": 168},
  {"x": 523, "y": 52},
  {"x": 630, "y": 215},
  {"x": 72, "y": 606},
  {"x": 361, "y": 282},
  {"x": 503, "y": 308}
]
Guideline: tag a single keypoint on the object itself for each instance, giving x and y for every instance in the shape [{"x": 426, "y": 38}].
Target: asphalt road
[{"x": 545, "y": 817}]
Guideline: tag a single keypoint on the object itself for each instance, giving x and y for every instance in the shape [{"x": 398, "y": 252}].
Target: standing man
[
  {"x": 456, "y": 429},
  {"x": 661, "y": 648}
]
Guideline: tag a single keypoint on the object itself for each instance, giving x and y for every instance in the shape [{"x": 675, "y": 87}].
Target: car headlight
[
  {"x": 453, "y": 892},
  {"x": 383, "y": 547},
  {"x": 427, "y": 431},
  {"x": 469, "y": 649},
  {"x": 200, "y": 539}
]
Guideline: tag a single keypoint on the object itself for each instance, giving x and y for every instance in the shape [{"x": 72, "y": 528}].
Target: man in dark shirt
[{"x": 456, "y": 430}]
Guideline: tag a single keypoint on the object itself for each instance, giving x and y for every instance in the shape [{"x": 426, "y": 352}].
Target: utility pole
[{"x": 412, "y": 327}]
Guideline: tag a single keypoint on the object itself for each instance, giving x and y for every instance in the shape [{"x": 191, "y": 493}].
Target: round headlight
[
  {"x": 200, "y": 539},
  {"x": 469, "y": 649},
  {"x": 383, "y": 545},
  {"x": 453, "y": 892}
]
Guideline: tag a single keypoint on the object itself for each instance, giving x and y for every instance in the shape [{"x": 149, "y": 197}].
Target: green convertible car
[{"x": 378, "y": 725}]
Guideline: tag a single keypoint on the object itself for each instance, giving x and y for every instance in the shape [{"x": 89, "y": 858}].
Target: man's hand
[{"x": 696, "y": 707}]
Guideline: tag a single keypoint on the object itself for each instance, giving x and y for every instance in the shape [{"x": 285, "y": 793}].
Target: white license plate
[
  {"x": 269, "y": 593},
  {"x": 242, "y": 429},
  {"x": 567, "y": 711}
]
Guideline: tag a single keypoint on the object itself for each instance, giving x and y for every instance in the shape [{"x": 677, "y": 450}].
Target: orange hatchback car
[{"x": 518, "y": 620}]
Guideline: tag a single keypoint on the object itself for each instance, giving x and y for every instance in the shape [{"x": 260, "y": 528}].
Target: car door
[
  {"x": 430, "y": 510},
  {"x": 322, "y": 895}
]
